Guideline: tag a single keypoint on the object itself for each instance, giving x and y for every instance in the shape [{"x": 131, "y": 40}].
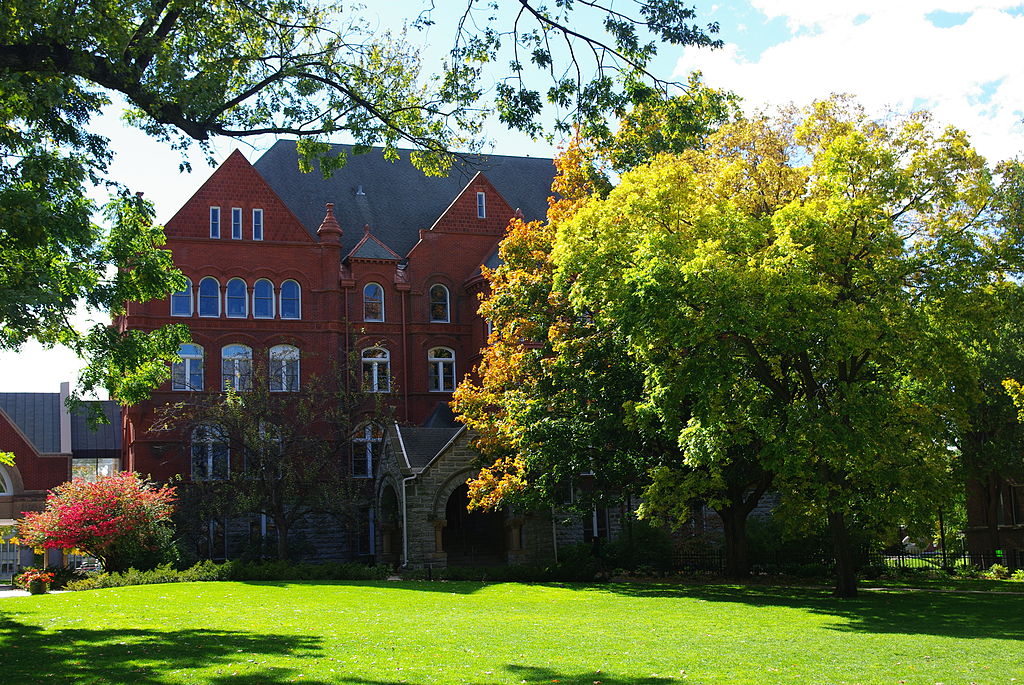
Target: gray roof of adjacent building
[
  {"x": 37, "y": 415},
  {"x": 395, "y": 198}
]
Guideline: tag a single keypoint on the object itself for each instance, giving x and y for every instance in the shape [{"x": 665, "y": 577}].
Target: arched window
[
  {"x": 209, "y": 297},
  {"x": 373, "y": 302},
  {"x": 291, "y": 300},
  {"x": 284, "y": 368},
  {"x": 439, "y": 304},
  {"x": 366, "y": 449},
  {"x": 237, "y": 299},
  {"x": 187, "y": 374},
  {"x": 6, "y": 485},
  {"x": 263, "y": 299},
  {"x": 236, "y": 367},
  {"x": 441, "y": 369},
  {"x": 181, "y": 301},
  {"x": 211, "y": 457},
  {"x": 376, "y": 370}
]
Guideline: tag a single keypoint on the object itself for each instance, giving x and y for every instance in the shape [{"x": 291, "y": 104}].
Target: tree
[
  {"x": 804, "y": 272},
  {"x": 279, "y": 453},
  {"x": 121, "y": 519}
]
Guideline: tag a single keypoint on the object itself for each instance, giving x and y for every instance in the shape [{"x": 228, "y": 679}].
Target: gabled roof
[
  {"x": 394, "y": 198},
  {"x": 423, "y": 444},
  {"x": 370, "y": 247},
  {"x": 37, "y": 415}
]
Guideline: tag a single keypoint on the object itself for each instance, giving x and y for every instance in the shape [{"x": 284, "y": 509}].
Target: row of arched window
[
  {"x": 439, "y": 303},
  {"x": 210, "y": 451},
  {"x": 376, "y": 363},
  {"x": 236, "y": 368},
  {"x": 263, "y": 301}
]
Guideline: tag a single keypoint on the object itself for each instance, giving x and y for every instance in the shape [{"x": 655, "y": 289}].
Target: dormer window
[
  {"x": 214, "y": 222},
  {"x": 481, "y": 205},
  {"x": 236, "y": 223}
]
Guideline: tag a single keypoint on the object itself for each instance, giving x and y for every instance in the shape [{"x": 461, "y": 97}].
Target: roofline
[
  {"x": 462, "y": 429},
  {"x": 21, "y": 433},
  {"x": 401, "y": 442}
]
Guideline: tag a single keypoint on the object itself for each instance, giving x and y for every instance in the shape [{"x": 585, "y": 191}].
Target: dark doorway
[{"x": 473, "y": 538}]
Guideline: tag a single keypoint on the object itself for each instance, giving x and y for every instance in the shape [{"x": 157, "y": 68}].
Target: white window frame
[
  {"x": 257, "y": 224},
  {"x": 236, "y": 367},
  {"x": 204, "y": 443},
  {"x": 255, "y": 309},
  {"x": 367, "y": 446},
  {"x": 236, "y": 223},
  {"x": 199, "y": 297},
  {"x": 215, "y": 222},
  {"x": 441, "y": 370},
  {"x": 298, "y": 292},
  {"x": 190, "y": 364},
  {"x": 376, "y": 370},
  {"x": 481, "y": 205},
  {"x": 447, "y": 303},
  {"x": 182, "y": 294},
  {"x": 229, "y": 298},
  {"x": 367, "y": 300},
  {"x": 284, "y": 368}
]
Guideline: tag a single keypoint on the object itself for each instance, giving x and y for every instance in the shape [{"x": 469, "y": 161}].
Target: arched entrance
[
  {"x": 390, "y": 521},
  {"x": 472, "y": 538}
]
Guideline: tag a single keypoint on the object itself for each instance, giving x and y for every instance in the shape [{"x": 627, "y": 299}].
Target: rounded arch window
[
  {"x": 209, "y": 297},
  {"x": 440, "y": 304},
  {"x": 187, "y": 372},
  {"x": 284, "y": 368},
  {"x": 441, "y": 369},
  {"x": 211, "y": 456},
  {"x": 236, "y": 367},
  {"x": 366, "y": 449},
  {"x": 376, "y": 370},
  {"x": 373, "y": 302},
  {"x": 237, "y": 299},
  {"x": 263, "y": 299},
  {"x": 181, "y": 301},
  {"x": 291, "y": 300}
]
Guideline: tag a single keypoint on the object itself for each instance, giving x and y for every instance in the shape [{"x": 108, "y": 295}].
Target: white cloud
[{"x": 889, "y": 55}]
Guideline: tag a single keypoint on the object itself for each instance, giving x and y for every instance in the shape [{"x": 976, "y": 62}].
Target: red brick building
[{"x": 296, "y": 272}]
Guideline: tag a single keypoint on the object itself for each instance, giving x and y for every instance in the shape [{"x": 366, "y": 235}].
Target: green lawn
[{"x": 383, "y": 633}]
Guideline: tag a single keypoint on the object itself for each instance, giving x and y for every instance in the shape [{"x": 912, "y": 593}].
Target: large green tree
[
  {"x": 805, "y": 275},
  {"x": 190, "y": 70}
]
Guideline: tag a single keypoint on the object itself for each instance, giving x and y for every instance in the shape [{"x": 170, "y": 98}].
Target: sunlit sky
[{"x": 959, "y": 58}]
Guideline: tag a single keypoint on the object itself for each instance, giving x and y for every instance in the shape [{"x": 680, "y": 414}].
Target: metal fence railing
[{"x": 713, "y": 561}]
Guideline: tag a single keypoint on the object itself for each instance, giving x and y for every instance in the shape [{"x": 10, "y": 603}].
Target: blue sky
[{"x": 959, "y": 58}]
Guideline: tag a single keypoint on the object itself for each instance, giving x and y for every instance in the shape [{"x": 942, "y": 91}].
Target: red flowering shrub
[{"x": 122, "y": 520}]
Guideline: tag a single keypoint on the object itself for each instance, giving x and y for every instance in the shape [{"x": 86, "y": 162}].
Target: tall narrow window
[
  {"x": 366, "y": 449},
  {"x": 209, "y": 297},
  {"x": 236, "y": 223},
  {"x": 237, "y": 299},
  {"x": 257, "y": 224},
  {"x": 214, "y": 222},
  {"x": 181, "y": 301},
  {"x": 210, "y": 454},
  {"x": 284, "y": 368},
  {"x": 376, "y": 370},
  {"x": 263, "y": 299},
  {"x": 291, "y": 304},
  {"x": 481, "y": 205},
  {"x": 187, "y": 373},
  {"x": 439, "y": 304},
  {"x": 441, "y": 369},
  {"x": 373, "y": 302},
  {"x": 236, "y": 367}
]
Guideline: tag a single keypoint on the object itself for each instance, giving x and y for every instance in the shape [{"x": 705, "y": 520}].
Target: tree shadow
[{"x": 89, "y": 655}]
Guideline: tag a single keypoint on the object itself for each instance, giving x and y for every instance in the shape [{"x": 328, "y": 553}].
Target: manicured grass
[{"x": 385, "y": 633}]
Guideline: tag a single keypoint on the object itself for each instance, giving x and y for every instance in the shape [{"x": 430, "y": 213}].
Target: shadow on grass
[{"x": 89, "y": 655}]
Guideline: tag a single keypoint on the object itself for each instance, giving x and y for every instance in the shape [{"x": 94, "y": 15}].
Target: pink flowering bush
[{"x": 123, "y": 520}]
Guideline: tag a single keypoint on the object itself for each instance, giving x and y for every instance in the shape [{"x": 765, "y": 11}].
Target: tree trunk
[
  {"x": 734, "y": 523},
  {"x": 846, "y": 578},
  {"x": 282, "y": 537},
  {"x": 993, "y": 486}
]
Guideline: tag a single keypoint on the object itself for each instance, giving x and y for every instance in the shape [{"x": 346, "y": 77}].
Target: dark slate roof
[
  {"x": 494, "y": 261},
  {"x": 37, "y": 414},
  {"x": 423, "y": 444},
  {"x": 105, "y": 438},
  {"x": 397, "y": 200},
  {"x": 442, "y": 417}
]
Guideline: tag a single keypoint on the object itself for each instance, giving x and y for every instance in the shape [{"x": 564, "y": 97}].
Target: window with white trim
[
  {"x": 236, "y": 367},
  {"x": 366, "y": 449},
  {"x": 291, "y": 300},
  {"x": 257, "y": 224},
  {"x": 237, "y": 299},
  {"x": 373, "y": 302},
  {"x": 263, "y": 299},
  {"x": 440, "y": 310},
  {"x": 376, "y": 370},
  {"x": 181, "y": 301},
  {"x": 214, "y": 222},
  {"x": 481, "y": 205},
  {"x": 211, "y": 456},
  {"x": 441, "y": 369},
  {"x": 284, "y": 368},
  {"x": 236, "y": 223},
  {"x": 187, "y": 372},
  {"x": 209, "y": 297}
]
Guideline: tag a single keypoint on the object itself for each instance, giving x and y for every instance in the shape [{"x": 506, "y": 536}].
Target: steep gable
[{"x": 463, "y": 215}]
